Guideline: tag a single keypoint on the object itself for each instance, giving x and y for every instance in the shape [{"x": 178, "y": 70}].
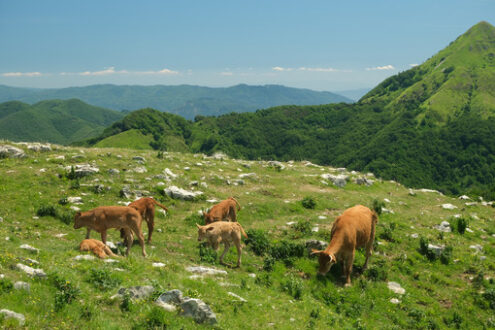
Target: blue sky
[{"x": 322, "y": 45}]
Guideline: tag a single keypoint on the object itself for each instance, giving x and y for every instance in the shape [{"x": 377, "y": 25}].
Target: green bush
[
  {"x": 459, "y": 225},
  {"x": 102, "y": 279},
  {"x": 207, "y": 254},
  {"x": 194, "y": 219},
  {"x": 63, "y": 201},
  {"x": 308, "y": 202},
  {"x": 284, "y": 250},
  {"x": 268, "y": 263},
  {"x": 376, "y": 273},
  {"x": 5, "y": 285},
  {"x": 67, "y": 292},
  {"x": 387, "y": 233},
  {"x": 46, "y": 210},
  {"x": 293, "y": 286},
  {"x": 446, "y": 255},
  {"x": 302, "y": 227},
  {"x": 264, "y": 279},
  {"x": 489, "y": 296},
  {"x": 377, "y": 206},
  {"x": 258, "y": 241}
]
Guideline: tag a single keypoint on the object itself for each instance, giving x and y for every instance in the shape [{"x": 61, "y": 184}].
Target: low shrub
[
  {"x": 293, "y": 286},
  {"x": 376, "y": 273},
  {"x": 446, "y": 255},
  {"x": 5, "y": 285},
  {"x": 459, "y": 225},
  {"x": 66, "y": 294},
  {"x": 308, "y": 202},
  {"x": 302, "y": 228},
  {"x": 286, "y": 249},
  {"x": 102, "y": 279},
  {"x": 268, "y": 263},
  {"x": 46, "y": 210},
  {"x": 489, "y": 296},
  {"x": 258, "y": 241},
  {"x": 377, "y": 206},
  {"x": 387, "y": 233},
  {"x": 207, "y": 254},
  {"x": 156, "y": 318},
  {"x": 264, "y": 279},
  {"x": 126, "y": 304},
  {"x": 194, "y": 219}
]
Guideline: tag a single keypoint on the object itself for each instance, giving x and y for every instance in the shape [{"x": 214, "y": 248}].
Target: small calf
[
  {"x": 355, "y": 228},
  {"x": 226, "y": 209},
  {"x": 97, "y": 247},
  {"x": 223, "y": 232}
]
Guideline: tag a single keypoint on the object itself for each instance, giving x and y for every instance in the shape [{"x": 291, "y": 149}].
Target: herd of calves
[{"x": 355, "y": 228}]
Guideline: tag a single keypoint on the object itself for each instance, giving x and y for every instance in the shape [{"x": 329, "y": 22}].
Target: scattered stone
[
  {"x": 29, "y": 248},
  {"x": 469, "y": 230},
  {"x": 411, "y": 192},
  {"x": 31, "y": 271},
  {"x": 99, "y": 188},
  {"x": 386, "y": 200},
  {"x": 158, "y": 264},
  {"x": 19, "y": 285},
  {"x": 205, "y": 270},
  {"x": 395, "y": 301},
  {"x": 247, "y": 175},
  {"x": 448, "y": 206},
  {"x": 1, "y": 219},
  {"x": 140, "y": 169},
  {"x": 363, "y": 181},
  {"x": 395, "y": 287},
  {"x": 198, "y": 310},
  {"x": 204, "y": 185},
  {"x": 8, "y": 151},
  {"x": 194, "y": 183},
  {"x": 276, "y": 164},
  {"x": 315, "y": 229},
  {"x": 238, "y": 182},
  {"x": 476, "y": 247},
  {"x": 236, "y": 296},
  {"x": 219, "y": 156},
  {"x": 444, "y": 226},
  {"x": 75, "y": 208},
  {"x": 338, "y": 180},
  {"x": 414, "y": 235},
  {"x": 60, "y": 235},
  {"x": 252, "y": 275},
  {"x": 290, "y": 223},
  {"x": 139, "y": 158},
  {"x": 37, "y": 147},
  {"x": 168, "y": 172},
  {"x": 31, "y": 261},
  {"x": 385, "y": 210},
  {"x": 75, "y": 200},
  {"x": 126, "y": 192},
  {"x": 322, "y": 217},
  {"x": 482, "y": 258},
  {"x": 179, "y": 193},
  {"x": 110, "y": 261},
  {"x": 111, "y": 245},
  {"x": 135, "y": 292},
  {"x": 315, "y": 244},
  {"x": 171, "y": 297},
  {"x": 76, "y": 157},
  {"x": 82, "y": 170},
  {"x": 437, "y": 249},
  {"x": 113, "y": 171},
  {"x": 84, "y": 257},
  {"x": 464, "y": 197},
  {"x": 13, "y": 315}
]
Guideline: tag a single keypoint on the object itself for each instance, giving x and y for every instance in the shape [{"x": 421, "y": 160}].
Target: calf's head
[
  {"x": 203, "y": 232},
  {"x": 78, "y": 221},
  {"x": 325, "y": 259},
  {"x": 208, "y": 218}
]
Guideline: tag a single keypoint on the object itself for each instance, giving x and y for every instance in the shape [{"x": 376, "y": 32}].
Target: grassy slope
[
  {"x": 132, "y": 139},
  {"x": 54, "y": 121},
  {"x": 435, "y": 293}
]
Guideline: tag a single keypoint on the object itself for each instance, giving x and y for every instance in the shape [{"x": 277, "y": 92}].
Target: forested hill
[
  {"x": 185, "y": 100},
  {"x": 389, "y": 132},
  {"x": 54, "y": 121}
]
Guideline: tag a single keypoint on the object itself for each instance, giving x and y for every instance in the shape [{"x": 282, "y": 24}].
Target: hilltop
[
  {"x": 55, "y": 121},
  {"x": 185, "y": 100},
  {"x": 439, "y": 250}
]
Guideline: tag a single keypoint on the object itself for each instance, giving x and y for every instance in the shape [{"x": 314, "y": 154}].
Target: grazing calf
[
  {"x": 146, "y": 207},
  {"x": 103, "y": 218},
  {"x": 97, "y": 247},
  {"x": 355, "y": 228},
  {"x": 226, "y": 209},
  {"x": 223, "y": 232}
]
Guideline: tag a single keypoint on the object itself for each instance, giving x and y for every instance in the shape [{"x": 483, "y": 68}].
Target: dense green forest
[{"x": 431, "y": 126}]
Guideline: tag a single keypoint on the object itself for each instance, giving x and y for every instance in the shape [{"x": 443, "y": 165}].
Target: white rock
[
  {"x": 444, "y": 226},
  {"x": 113, "y": 171},
  {"x": 187, "y": 168},
  {"x": 385, "y": 210},
  {"x": 198, "y": 310},
  {"x": 448, "y": 206},
  {"x": 8, "y": 151},
  {"x": 315, "y": 229},
  {"x": 19, "y": 285},
  {"x": 386, "y": 200},
  {"x": 437, "y": 249},
  {"x": 84, "y": 257},
  {"x": 290, "y": 223},
  {"x": 158, "y": 264},
  {"x": 247, "y": 175},
  {"x": 168, "y": 172},
  {"x": 322, "y": 217},
  {"x": 476, "y": 247},
  {"x": 75, "y": 208},
  {"x": 414, "y": 235},
  {"x": 29, "y": 248},
  {"x": 464, "y": 197},
  {"x": 252, "y": 275},
  {"x": 395, "y": 287},
  {"x": 75, "y": 200},
  {"x": 213, "y": 200},
  {"x": 110, "y": 261},
  {"x": 236, "y": 296},
  {"x": 13, "y": 315},
  {"x": 139, "y": 169},
  {"x": 179, "y": 193},
  {"x": 205, "y": 270},
  {"x": 469, "y": 230},
  {"x": 139, "y": 158},
  {"x": 276, "y": 164},
  {"x": 83, "y": 169},
  {"x": 111, "y": 245},
  {"x": 338, "y": 180},
  {"x": 31, "y": 271},
  {"x": 395, "y": 301},
  {"x": 166, "y": 306}
]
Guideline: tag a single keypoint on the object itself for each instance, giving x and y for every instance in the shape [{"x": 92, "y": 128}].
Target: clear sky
[{"x": 322, "y": 45}]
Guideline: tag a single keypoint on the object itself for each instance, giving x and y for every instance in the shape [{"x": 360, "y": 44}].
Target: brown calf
[
  {"x": 226, "y": 209},
  {"x": 355, "y": 228}
]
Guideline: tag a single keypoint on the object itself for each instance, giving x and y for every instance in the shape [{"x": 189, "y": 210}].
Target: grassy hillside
[
  {"x": 452, "y": 290},
  {"x": 53, "y": 121},
  {"x": 185, "y": 100}
]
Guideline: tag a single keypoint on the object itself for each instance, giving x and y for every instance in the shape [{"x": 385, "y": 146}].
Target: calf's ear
[
  {"x": 209, "y": 228},
  {"x": 314, "y": 251},
  {"x": 78, "y": 214},
  {"x": 198, "y": 226}
]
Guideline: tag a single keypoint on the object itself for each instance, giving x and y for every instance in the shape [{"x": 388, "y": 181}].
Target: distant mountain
[
  {"x": 53, "y": 121},
  {"x": 431, "y": 126},
  {"x": 185, "y": 100}
]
